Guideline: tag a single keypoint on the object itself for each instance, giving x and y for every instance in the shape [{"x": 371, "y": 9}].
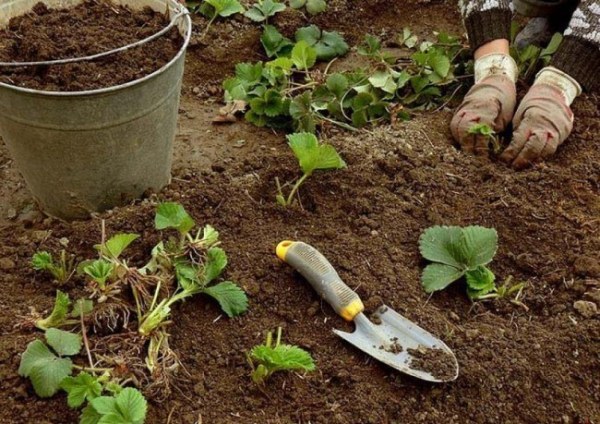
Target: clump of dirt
[
  {"x": 89, "y": 28},
  {"x": 433, "y": 361},
  {"x": 394, "y": 346}
]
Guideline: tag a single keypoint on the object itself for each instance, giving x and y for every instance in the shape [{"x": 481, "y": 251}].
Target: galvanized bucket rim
[{"x": 111, "y": 89}]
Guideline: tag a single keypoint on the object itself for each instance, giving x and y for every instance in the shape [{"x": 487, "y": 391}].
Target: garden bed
[{"x": 517, "y": 366}]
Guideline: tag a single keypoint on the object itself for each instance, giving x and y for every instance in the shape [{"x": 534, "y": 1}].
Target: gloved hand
[
  {"x": 491, "y": 101},
  {"x": 543, "y": 120}
]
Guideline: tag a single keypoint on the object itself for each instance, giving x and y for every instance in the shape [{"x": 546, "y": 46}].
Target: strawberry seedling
[
  {"x": 270, "y": 358},
  {"x": 262, "y": 10},
  {"x": 311, "y": 156},
  {"x": 487, "y": 132},
  {"x": 456, "y": 252},
  {"x": 313, "y": 7},
  {"x": 61, "y": 270},
  {"x": 212, "y": 9}
]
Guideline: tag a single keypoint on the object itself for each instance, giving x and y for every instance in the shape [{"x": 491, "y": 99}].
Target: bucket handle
[{"x": 182, "y": 13}]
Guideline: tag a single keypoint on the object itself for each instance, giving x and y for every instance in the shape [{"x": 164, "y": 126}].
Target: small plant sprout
[
  {"x": 311, "y": 156},
  {"x": 456, "y": 252},
  {"x": 59, "y": 315},
  {"x": 488, "y": 134},
  {"x": 509, "y": 291},
  {"x": 61, "y": 270},
  {"x": 267, "y": 358},
  {"x": 262, "y": 10}
]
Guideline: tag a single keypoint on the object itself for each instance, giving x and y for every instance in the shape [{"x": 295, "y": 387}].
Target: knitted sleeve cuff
[
  {"x": 580, "y": 59},
  {"x": 489, "y": 25}
]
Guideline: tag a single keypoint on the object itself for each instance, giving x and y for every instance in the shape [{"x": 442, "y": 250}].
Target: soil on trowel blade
[
  {"x": 92, "y": 27},
  {"x": 433, "y": 361}
]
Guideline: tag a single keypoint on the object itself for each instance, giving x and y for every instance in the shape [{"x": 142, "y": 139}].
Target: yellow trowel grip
[{"x": 321, "y": 275}]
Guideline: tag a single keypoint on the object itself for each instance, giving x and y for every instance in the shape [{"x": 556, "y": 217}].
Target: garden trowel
[{"x": 391, "y": 338}]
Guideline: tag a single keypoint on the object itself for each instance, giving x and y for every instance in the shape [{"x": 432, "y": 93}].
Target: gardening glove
[
  {"x": 490, "y": 101},
  {"x": 544, "y": 119}
]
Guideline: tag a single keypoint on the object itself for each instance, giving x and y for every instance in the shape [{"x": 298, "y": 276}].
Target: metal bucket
[{"x": 87, "y": 151}]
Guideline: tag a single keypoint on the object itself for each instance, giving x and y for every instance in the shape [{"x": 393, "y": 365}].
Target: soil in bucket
[{"x": 89, "y": 28}]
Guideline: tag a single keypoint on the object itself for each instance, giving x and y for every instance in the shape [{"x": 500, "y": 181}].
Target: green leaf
[
  {"x": 284, "y": 63},
  {"x": 81, "y": 388},
  {"x": 210, "y": 236},
  {"x": 442, "y": 244},
  {"x": 216, "y": 261},
  {"x": 480, "y": 278},
  {"x": 249, "y": 73},
  {"x": 42, "y": 261},
  {"x": 327, "y": 44},
  {"x": 384, "y": 80},
  {"x": 282, "y": 358},
  {"x": 63, "y": 342},
  {"x": 128, "y": 407},
  {"x": 264, "y": 9},
  {"x": 438, "y": 276},
  {"x": 297, "y": 4},
  {"x": 226, "y": 8},
  {"x": 231, "y": 298},
  {"x": 440, "y": 65},
  {"x": 59, "y": 312},
  {"x": 312, "y": 155},
  {"x": 370, "y": 47},
  {"x": 479, "y": 245},
  {"x": 82, "y": 305},
  {"x": 44, "y": 368},
  {"x": 274, "y": 42},
  {"x": 100, "y": 270},
  {"x": 316, "y": 6},
  {"x": 116, "y": 245},
  {"x": 483, "y": 129},
  {"x": 173, "y": 215},
  {"x": 301, "y": 111},
  {"x": 304, "y": 56},
  {"x": 89, "y": 415},
  {"x": 337, "y": 84},
  {"x": 187, "y": 274}
]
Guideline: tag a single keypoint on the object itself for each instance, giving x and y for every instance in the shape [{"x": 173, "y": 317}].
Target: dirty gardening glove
[
  {"x": 490, "y": 101},
  {"x": 544, "y": 119}
]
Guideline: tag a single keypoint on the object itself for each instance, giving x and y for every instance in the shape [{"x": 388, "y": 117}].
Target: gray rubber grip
[{"x": 321, "y": 275}]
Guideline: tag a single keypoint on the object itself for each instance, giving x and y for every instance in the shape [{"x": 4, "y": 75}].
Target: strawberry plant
[
  {"x": 313, "y": 7},
  {"x": 262, "y": 10},
  {"x": 49, "y": 366},
  {"x": 311, "y": 156},
  {"x": 288, "y": 93},
  {"x": 456, "y": 252},
  {"x": 179, "y": 267},
  {"x": 488, "y": 133},
  {"x": 269, "y": 358},
  {"x": 532, "y": 57},
  {"x": 212, "y": 9},
  {"x": 61, "y": 270}
]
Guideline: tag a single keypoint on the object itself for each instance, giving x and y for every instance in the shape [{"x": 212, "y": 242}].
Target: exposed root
[{"x": 110, "y": 317}]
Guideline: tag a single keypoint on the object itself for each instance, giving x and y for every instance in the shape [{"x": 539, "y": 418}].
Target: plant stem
[
  {"x": 91, "y": 369},
  {"x": 296, "y": 187},
  {"x": 86, "y": 342},
  {"x": 208, "y": 26}
]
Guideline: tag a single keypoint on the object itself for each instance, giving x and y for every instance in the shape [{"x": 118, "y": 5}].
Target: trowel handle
[{"x": 321, "y": 275}]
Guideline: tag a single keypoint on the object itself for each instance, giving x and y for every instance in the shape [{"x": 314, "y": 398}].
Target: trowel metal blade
[{"x": 379, "y": 341}]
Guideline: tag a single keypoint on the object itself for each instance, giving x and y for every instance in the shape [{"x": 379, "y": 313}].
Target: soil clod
[{"x": 433, "y": 361}]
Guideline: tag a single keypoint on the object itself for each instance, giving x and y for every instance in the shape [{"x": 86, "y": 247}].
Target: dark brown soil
[
  {"x": 539, "y": 365},
  {"x": 89, "y": 28},
  {"x": 434, "y": 361}
]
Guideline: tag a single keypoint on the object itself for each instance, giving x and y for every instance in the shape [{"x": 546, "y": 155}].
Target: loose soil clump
[
  {"x": 89, "y": 28},
  {"x": 433, "y": 361}
]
